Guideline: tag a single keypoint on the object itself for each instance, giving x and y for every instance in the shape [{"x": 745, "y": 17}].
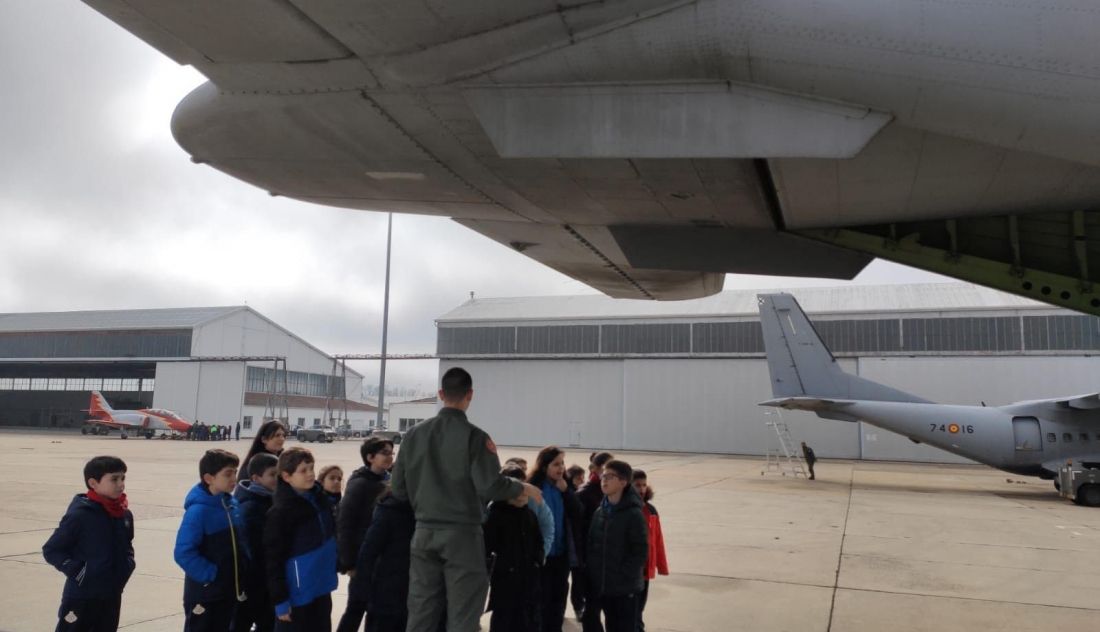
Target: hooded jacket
[
  {"x": 618, "y": 544},
  {"x": 385, "y": 555},
  {"x": 300, "y": 546},
  {"x": 355, "y": 513},
  {"x": 92, "y": 549},
  {"x": 514, "y": 546},
  {"x": 656, "y": 562},
  {"x": 254, "y": 501},
  {"x": 210, "y": 547}
]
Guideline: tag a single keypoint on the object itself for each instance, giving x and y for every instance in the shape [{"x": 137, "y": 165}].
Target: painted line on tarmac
[{"x": 840, "y": 554}]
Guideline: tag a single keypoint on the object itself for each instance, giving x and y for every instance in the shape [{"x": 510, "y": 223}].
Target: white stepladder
[{"x": 786, "y": 459}]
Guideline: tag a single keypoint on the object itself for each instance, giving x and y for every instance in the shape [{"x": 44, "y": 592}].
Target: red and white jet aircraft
[{"x": 146, "y": 421}]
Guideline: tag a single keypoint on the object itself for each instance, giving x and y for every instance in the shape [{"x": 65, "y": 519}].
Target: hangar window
[
  {"x": 879, "y": 335},
  {"x": 1052, "y": 438},
  {"x": 74, "y": 384},
  {"x": 39, "y": 384},
  {"x": 1062, "y": 333},
  {"x": 739, "y": 337},
  {"x": 571, "y": 339},
  {"x": 246, "y": 422},
  {"x": 1067, "y": 437},
  {"x": 149, "y": 384},
  {"x": 56, "y": 384},
  {"x": 301, "y": 422},
  {"x": 961, "y": 334},
  {"x": 656, "y": 338},
  {"x": 112, "y": 384},
  {"x": 6, "y": 383},
  {"x": 129, "y": 384},
  {"x": 476, "y": 340}
]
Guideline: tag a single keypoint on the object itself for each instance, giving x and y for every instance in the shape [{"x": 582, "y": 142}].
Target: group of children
[
  {"x": 263, "y": 553},
  {"x": 604, "y": 531}
]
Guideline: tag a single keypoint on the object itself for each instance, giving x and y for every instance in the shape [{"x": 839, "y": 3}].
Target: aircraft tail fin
[
  {"x": 800, "y": 364},
  {"x": 98, "y": 407}
]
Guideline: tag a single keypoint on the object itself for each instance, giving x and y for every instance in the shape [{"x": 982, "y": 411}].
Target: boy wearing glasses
[{"x": 618, "y": 542}]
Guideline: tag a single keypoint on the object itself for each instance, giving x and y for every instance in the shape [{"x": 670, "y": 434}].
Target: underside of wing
[{"x": 646, "y": 147}]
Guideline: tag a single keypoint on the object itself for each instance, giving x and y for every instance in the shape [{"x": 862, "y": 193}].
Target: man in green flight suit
[{"x": 448, "y": 470}]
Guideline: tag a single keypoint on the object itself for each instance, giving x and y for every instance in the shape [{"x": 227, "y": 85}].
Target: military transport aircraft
[
  {"x": 1022, "y": 438},
  {"x": 646, "y": 147},
  {"x": 146, "y": 421}
]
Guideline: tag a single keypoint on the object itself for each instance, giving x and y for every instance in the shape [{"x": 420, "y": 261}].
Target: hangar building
[
  {"x": 189, "y": 360},
  {"x": 686, "y": 376}
]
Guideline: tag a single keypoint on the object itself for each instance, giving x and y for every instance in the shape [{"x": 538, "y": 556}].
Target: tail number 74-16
[{"x": 952, "y": 428}]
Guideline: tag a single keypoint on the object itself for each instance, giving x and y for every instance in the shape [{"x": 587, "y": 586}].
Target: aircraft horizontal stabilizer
[
  {"x": 805, "y": 403},
  {"x": 1082, "y": 402}
]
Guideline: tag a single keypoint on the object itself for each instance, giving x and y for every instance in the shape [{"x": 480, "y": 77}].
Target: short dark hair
[
  {"x": 600, "y": 459},
  {"x": 456, "y": 383},
  {"x": 261, "y": 463},
  {"x": 573, "y": 471},
  {"x": 217, "y": 460},
  {"x": 621, "y": 468},
  {"x": 101, "y": 466},
  {"x": 291, "y": 458},
  {"x": 372, "y": 446},
  {"x": 514, "y": 471},
  {"x": 637, "y": 474}
]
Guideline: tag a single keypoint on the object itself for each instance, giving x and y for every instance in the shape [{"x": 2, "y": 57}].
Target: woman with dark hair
[
  {"x": 269, "y": 439},
  {"x": 566, "y": 552}
]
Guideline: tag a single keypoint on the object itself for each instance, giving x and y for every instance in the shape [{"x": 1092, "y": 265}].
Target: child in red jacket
[{"x": 656, "y": 562}]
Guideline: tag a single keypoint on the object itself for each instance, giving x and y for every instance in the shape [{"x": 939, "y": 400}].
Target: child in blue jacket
[
  {"x": 300, "y": 547},
  {"x": 93, "y": 547},
  {"x": 209, "y": 546}
]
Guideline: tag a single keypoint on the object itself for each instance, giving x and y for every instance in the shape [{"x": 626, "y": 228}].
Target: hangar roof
[
  {"x": 171, "y": 318},
  {"x": 921, "y": 297}
]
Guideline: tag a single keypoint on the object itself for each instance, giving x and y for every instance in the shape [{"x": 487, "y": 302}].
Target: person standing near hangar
[{"x": 447, "y": 470}]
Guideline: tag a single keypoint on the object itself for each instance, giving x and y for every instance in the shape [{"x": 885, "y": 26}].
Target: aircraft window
[
  {"x": 1067, "y": 437},
  {"x": 1052, "y": 438},
  {"x": 1084, "y": 436}
]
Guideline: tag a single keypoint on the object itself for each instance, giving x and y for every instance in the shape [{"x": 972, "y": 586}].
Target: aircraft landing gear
[
  {"x": 1057, "y": 485},
  {"x": 1088, "y": 495},
  {"x": 124, "y": 436}
]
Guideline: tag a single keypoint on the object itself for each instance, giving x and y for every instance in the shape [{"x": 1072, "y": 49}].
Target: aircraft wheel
[
  {"x": 84, "y": 430},
  {"x": 124, "y": 436},
  {"x": 104, "y": 431},
  {"x": 1089, "y": 495},
  {"x": 1057, "y": 485}
]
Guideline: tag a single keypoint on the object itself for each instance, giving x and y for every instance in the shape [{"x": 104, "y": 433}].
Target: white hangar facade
[
  {"x": 593, "y": 372},
  {"x": 189, "y": 360}
]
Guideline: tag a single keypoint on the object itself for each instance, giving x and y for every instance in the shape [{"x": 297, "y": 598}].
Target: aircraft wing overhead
[{"x": 647, "y": 147}]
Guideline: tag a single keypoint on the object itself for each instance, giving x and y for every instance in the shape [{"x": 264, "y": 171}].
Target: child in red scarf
[
  {"x": 93, "y": 547},
  {"x": 656, "y": 562}
]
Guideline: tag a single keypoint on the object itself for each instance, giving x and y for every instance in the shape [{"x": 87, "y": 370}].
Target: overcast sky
[{"x": 100, "y": 209}]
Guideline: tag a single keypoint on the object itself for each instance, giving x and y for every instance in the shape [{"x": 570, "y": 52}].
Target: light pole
[{"x": 385, "y": 323}]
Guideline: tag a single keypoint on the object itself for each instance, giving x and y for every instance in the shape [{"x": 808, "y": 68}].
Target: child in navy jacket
[
  {"x": 384, "y": 560},
  {"x": 209, "y": 547},
  {"x": 300, "y": 546},
  {"x": 93, "y": 547},
  {"x": 255, "y": 496}
]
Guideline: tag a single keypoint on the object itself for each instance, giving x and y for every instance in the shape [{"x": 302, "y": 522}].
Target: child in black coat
[
  {"x": 93, "y": 547},
  {"x": 384, "y": 559},
  {"x": 513, "y": 544}
]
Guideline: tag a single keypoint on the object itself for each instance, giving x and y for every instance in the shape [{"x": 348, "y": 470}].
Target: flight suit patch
[{"x": 490, "y": 446}]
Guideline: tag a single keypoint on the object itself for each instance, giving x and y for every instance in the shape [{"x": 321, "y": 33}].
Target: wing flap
[{"x": 589, "y": 254}]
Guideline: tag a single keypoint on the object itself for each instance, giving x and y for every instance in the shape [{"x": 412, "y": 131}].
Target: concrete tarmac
[{"x": 867, "y": 546}]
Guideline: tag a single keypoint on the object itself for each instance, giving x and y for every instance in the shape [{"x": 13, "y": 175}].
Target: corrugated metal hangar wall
[{"x": 709, "y": 404}]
